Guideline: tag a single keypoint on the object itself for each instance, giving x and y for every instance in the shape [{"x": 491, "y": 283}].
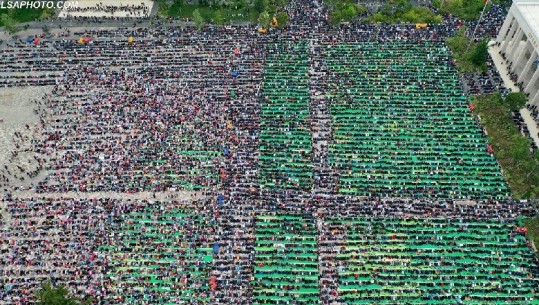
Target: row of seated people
[
  {"x": 50, "y": 239},
  {"x": 135, "y": 251},
  {"x": 130, "y": 10},
  {"x": 429, "y": 261},
  {"x": 22, "y": 64},
  {"x": 401, "y": 124},
  {"x": 107, "y": 52},
  {"x": 159, "y": 253},
  {"x": 109, "y": 133},
  {"x": 285, "y": 260},
  {"x": 116, "y": 251},
  {"x": 53, "y": 56},
  {"x": 387, "y": 206},
  {"x": 285, "y": 137},
  {"x": 488, "y": 81}
]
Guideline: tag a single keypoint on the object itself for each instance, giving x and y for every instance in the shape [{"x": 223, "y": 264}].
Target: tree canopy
[
  {"x": 261, "y": 5},
  {"x": 470, "y": 56},
  {"x": 49, "y": 295},
  {"x": 264, "y": 19},
  {"x": 8, "y": 22},
  {"x": 463, "y": 9},
  {"x": 515, "y": 101},
  {"x": 197, "y": 18},
  {"x": 479, "y": 54},
  {"x": 282, "y": 19}
]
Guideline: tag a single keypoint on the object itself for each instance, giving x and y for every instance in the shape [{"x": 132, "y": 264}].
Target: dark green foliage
[
  {"x": 515, "y": 101},
  {"x": 521, "y": 167},
  {"x": 19, "y": 15},
  {"x": 463, "y": 9},
  {"x": 49, "y": 295},
  {"x": 264, "y": 19},
  {"x": 219, "y": 12},
  {"x": 8, "y": 22},
  {"x": 469, "y": 56},
  {"x": 260, "y": 5},
  {"x": 345, "y": 11},
  {"x": 282, "y": 19},
  {"x": 198, "y": 19},
  {"x": 532, "y": 224},
  {"x": 395, "y": 11},
  {"x": 479, "y": 54},
  {"x": 219, "y": 17}
]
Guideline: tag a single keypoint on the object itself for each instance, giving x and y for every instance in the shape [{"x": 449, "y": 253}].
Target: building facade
[{"x": 519, "y": 43}]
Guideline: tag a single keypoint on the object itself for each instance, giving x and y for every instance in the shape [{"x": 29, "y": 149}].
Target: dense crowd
[
  {"x": 178, "y": 109},
  {"x": 130, "y": 10}
]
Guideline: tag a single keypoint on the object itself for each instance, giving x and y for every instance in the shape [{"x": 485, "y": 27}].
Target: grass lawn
[{"x": 521, "y": 168}]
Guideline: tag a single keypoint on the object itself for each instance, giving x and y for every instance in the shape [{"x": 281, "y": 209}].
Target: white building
[{"x": 519, "y": 39}]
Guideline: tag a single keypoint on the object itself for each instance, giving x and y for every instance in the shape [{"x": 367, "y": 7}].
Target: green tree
[
  {"x": 479, "y": 55},
  {"x": 282, "y": 18},
  {"x": 49, "y": 295},
  {"x": 239, "y": 4},
  {"x": 164, "y": 8},
  {"x": 349, "y": 12},
  {"x": 198, "y": 19},
  {"x": 264, "y": 19},
  {"x": 260, "y": 5},
  {"x": 520, "y": 149},
  {"x": 361, "y": 9},
  {"x": 219, "y": 17},
  {"x": 515, "y": 101},
  {"x": 402, "y": 7},
  {"x": 437, "y": 19},
  {"x": 46, "y": 13},
  {"x": 463, "y": 9},
  {"x": 380, "y": 17},
  {"x": 9, "y": 23},
  {"x": 411, "y": 16}
]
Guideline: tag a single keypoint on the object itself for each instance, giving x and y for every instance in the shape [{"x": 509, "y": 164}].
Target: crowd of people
[
  {"x": 430, "y": 261},
  {"x": 129, "y": 10},
  {"x": 116, "y": 251},
  {"x": 224, "y": 111}
]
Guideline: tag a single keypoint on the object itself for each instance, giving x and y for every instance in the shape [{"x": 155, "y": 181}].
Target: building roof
[{"x": 527, "y": 14}]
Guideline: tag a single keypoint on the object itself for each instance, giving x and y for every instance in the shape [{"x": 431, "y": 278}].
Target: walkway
[{"x": 182, "y": 196}]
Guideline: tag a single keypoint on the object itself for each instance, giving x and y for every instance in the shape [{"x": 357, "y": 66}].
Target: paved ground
[
  {"x": 19, "y": 126},
  {"x": 502, "y": 67},
  {"x": 188, "y": 196}
]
